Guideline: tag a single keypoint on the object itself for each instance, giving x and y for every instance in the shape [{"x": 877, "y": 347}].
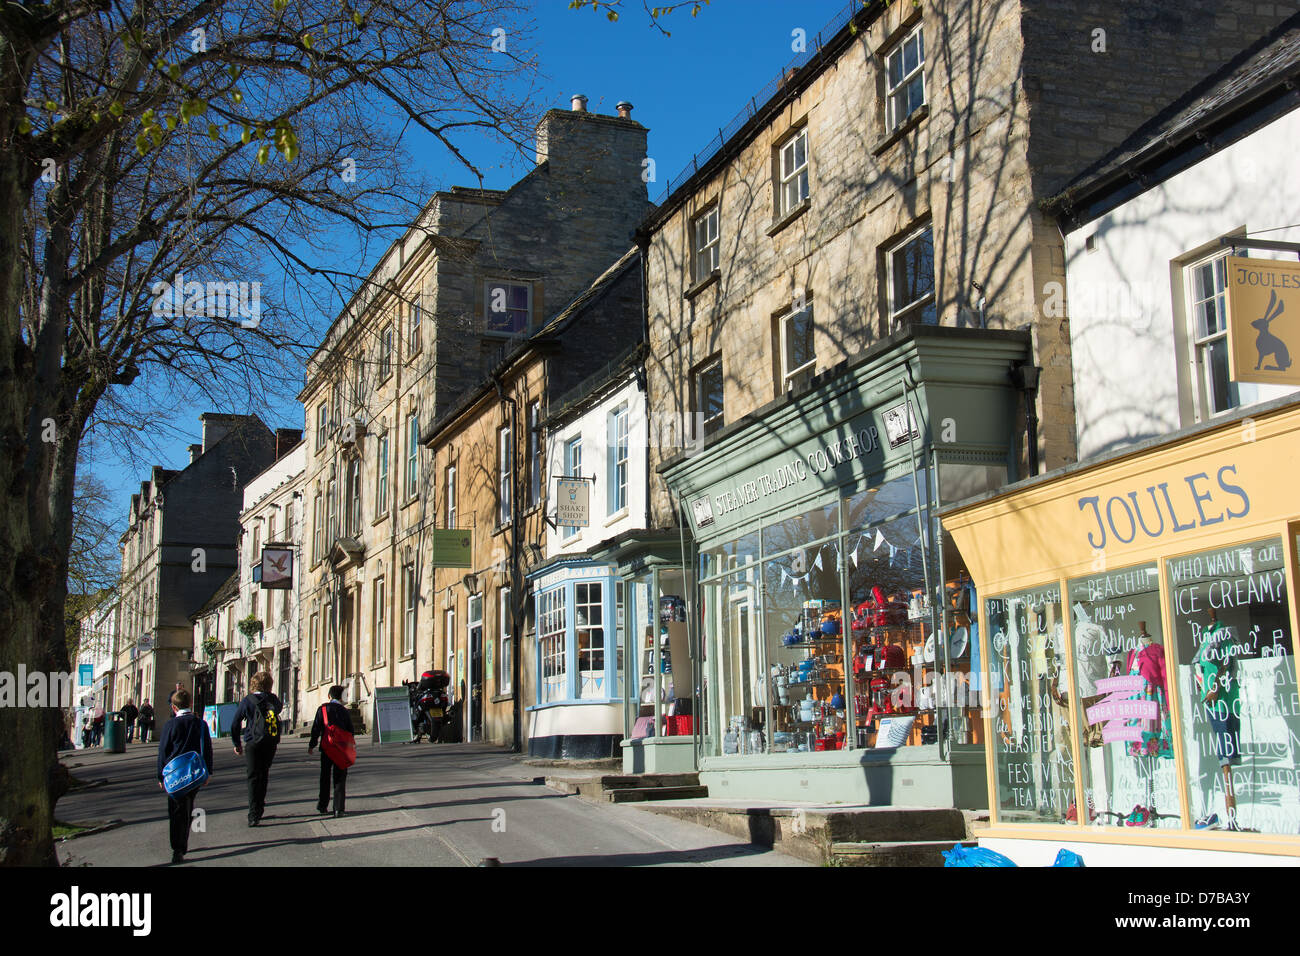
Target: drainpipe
[
  {"x": 1024, "y": 376},
  {"x": 516, "y": 584}
]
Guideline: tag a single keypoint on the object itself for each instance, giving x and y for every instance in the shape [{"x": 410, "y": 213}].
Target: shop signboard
[
  {"x": 573, "y": 502},
  {"x": 85, "y": 674},
  {"x": 1263, "y": 320},
  {"x": 452, "y": 548},
  {"x": 277, "y": 569},
  {"x": 392, "y": 715}
]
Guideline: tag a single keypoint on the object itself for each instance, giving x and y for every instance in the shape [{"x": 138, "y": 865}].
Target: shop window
[
  {"x": 911, "y": 281},
  {"x": 662, "y": 660},
  {"x": 797, "y": 531},
  {"x": 620, "y": 628},
  {"x": 1127, "y": 760},
  {"x": 895, "y": 497},
  {"x": 905, "y": 68},
  {"x": 551, "y": 639},
  {"x": 1033, "y": 764},
  {"x": 589, "y": 625},
  {"x": 729, "y": 556},
  {"x": 509, "y": 305},
  {"x": 1236, "y": 684}
]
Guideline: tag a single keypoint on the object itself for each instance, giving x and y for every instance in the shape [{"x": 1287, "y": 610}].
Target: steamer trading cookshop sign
[{"x": 851, "y": 451}]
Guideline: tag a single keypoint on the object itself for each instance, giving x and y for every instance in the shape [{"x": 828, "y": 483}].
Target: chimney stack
[
  {"x": 285, "y": 440},
  {"x": 195, "y": 451},
  {"x": 579, "y": 103},
  {"x": 624, "y": 110}
]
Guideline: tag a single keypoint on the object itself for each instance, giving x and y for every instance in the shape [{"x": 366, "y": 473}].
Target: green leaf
[
  {"x": 612, "y": 15},
  {"x": 306, "y": 40},
  {"x": 115, "y": 108},
  {"x": 246, "y": 136},
  {"x": 95, "y": 116},
  {"x": 236, "y": 96},
  {"x": 174, "y": 71},
  {"x": 171, "y": 122},
  {"x": 356, "y": 18},
  {"x": 213, "y": 132},
  {"x": 24, "y": 125},
  {"x": 51, "y": 106},
  {"x": 263, "y": 153}
]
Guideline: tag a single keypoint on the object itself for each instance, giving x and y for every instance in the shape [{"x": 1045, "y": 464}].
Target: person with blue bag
[{"x": 184, "y": 766}]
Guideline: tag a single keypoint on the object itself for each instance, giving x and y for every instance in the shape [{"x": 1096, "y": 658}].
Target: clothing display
[
  {"x": 1148, "y": 662},
  {"x": 1213, "y": 671}
]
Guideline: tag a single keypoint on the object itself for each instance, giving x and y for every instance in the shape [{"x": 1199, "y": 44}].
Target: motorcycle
[{"x": 429, "y": 704}]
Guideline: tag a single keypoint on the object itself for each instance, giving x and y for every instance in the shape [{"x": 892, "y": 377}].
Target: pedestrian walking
[
  {"x": 183, "y": 743},
  {"x": 97, "y": 727},
  {"x": 256, "y": 733},
  {"x": 333, "y": 728},
  {"x": 129, "y": 714},
  {"x": 146, "y": 721},
  {"x": 87, "y": 732}
]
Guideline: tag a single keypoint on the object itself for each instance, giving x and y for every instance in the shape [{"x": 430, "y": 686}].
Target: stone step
[
  {"x": 643, "y": 780},
  {"x": 916, "y": 853},
  {"x": 641, "y": 794}
]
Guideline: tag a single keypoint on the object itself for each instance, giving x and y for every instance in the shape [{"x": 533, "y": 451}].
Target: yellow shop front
[{"x": 1138, "y": 616}]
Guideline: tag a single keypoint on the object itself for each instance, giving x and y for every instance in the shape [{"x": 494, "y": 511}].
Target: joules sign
[
  {"x": 1263, "y": 320},
  {"x": 1165, "y": 508}
]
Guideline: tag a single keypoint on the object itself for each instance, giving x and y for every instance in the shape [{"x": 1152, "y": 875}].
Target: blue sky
[{"x": 683, "y": 88}]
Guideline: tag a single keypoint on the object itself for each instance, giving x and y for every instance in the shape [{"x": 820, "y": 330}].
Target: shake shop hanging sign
[{"x": 1263, "y": 321}]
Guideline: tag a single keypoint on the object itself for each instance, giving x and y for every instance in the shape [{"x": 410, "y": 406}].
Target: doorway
[{"x": 476, "y": 667}]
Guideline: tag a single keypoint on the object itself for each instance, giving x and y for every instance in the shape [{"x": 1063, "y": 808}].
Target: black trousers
[
  {"x": 328, "y": 769},
  {"x": 257, "y": 765},
  {"x": 179, "y": 812}
]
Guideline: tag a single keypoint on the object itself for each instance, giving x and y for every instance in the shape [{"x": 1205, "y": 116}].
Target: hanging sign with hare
[{"x": 1263, "y": 321}]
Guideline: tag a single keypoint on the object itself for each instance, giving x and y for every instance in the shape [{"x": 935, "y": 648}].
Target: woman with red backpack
[{"x": 333, "y": 728}]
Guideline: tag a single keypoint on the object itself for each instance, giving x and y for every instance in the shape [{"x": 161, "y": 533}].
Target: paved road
[{"x": 408, "y": 805}]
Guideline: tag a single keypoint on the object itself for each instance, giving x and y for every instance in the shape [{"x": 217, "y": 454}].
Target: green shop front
[{"x": 832, "y": 627}]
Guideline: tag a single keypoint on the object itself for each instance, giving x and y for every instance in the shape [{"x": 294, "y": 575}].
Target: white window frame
[
  {"x": 505, "y": 663},
  {"x": 705, "y": 247},
  {"x": 412, "y": 456},
  {"x": 794, "y": 185},
  {"x": 788, "y": 374},
  {"x": 381, "y": 476},
  {"x": 487, "y": 306},
  {"x": 587, "y": 675},
  {"x": 322, "y": 425},
  {"x": 318, "y": 527},
  {"x": 411, "y": 598},
  {"x": 415, "y": 328},
  {"x": 451, "y": 496},
  {"x": 379, "y": 620},
  {"x": 385, "y": 352},
  {"x": 895, "y": 91},
  {"x": 1200, "y": 345},
  {"x": 353, "y": 513},
  {"x": 573, "y": 469},
  {"x": 552, "y": 645},
  {"x": 618, "y": 451},
  {"x": 898, "y": 312},
  {"x": 505, "y": 475}
]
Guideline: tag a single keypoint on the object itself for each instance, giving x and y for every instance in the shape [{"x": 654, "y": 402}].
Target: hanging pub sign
[
  {"x": 1263, "y": 320},
  {"x": 277, "y": 569},
  {"x": 573, "y": 502},
  {"x": 900, "y": 424},
  {"x": 452, "y": 547}
]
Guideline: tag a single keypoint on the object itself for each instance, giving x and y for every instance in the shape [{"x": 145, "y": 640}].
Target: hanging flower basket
[
  {"x": 212, "y": 647},
  {"x": 250, "y": 626}
]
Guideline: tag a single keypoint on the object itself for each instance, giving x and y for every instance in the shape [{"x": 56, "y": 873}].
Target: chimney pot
[
  {"x": 579, "y": 103},
  {"x": 195, "y": 451},
  {"x": 624, "y": 110}
]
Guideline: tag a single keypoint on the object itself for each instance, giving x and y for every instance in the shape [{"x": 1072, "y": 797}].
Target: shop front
[
  {"x": 578, "y": 710},
  {"x": 1138, "y": 616},
  {"x": 831, "y": 621}
]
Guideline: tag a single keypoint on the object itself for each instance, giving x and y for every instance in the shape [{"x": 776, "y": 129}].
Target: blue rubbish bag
[
  {"x": 974, "y": 856},
  {"x": 1068, "y": 858}
]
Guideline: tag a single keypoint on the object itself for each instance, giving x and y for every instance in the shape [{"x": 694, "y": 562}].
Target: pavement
[{"x": 407, "y": 805}]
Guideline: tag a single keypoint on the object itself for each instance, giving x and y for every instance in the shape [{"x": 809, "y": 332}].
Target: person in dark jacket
[
  {"x": 338, "y": 717},
  {"x": 129, "y": 714},
  {"x": 146, "y": 721},
  {"x": 183, "y": 733},
  {"x": 256, "y": 733}
]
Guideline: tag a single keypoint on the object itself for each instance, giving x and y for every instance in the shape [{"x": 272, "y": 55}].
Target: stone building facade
[
  {"x": 895, "y": 178},
  {"x": 180, "y": 544},
  {"x": 475, "y": 275},
  {"x": 491, "y": 475}
]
